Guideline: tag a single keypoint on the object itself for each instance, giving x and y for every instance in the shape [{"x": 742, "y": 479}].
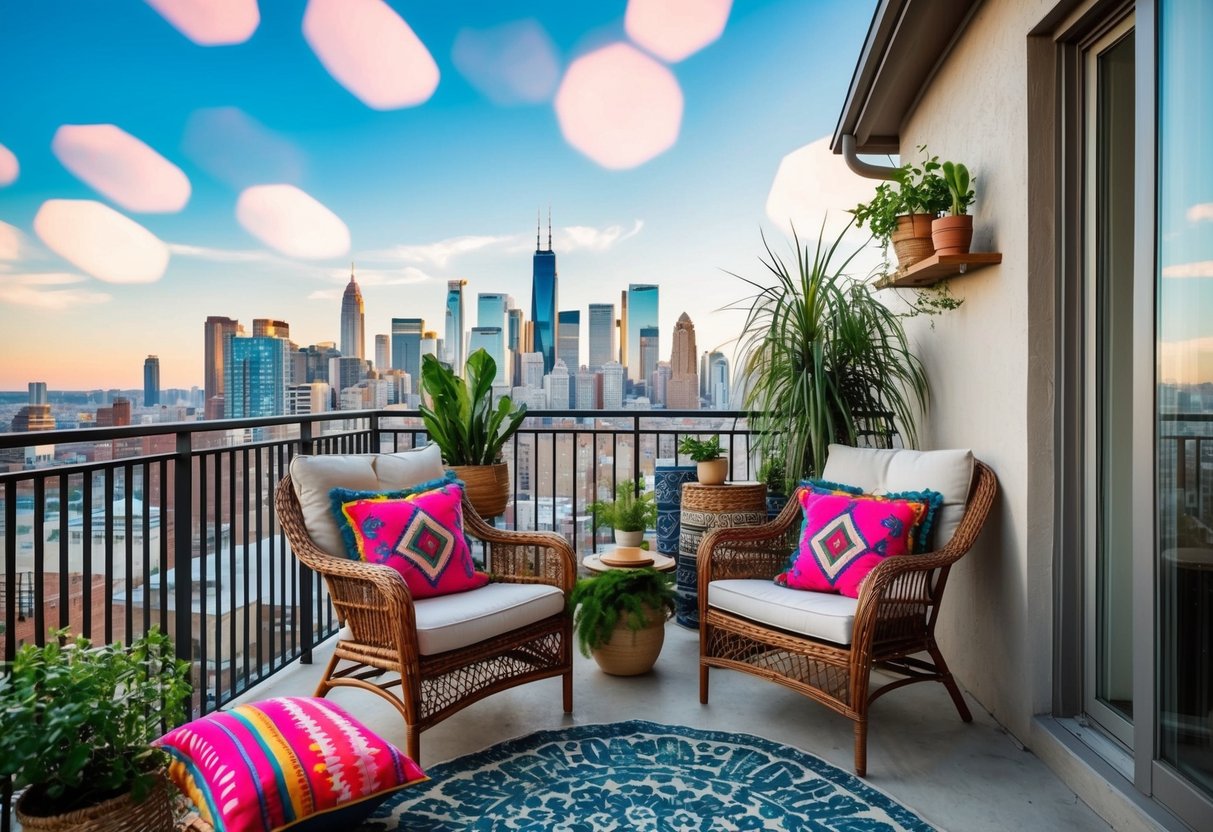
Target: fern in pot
[
  {"x": 630, "y": 514},
  {"x": 619, "y": 618}
]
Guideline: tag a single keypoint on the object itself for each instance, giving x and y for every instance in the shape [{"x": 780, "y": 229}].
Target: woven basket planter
[
  {"x": 118, "y": 814},
  {"x": 632, "y": 652},
  {"x": 487, "y": 487},
  {"x": 912, "y": 239}
]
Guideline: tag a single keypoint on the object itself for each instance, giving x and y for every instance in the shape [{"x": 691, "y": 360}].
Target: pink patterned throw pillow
[
  {"x": 419, "y": 535},
  {"x": 845, "y": 536},
  {"x": 292, "y": 763}
]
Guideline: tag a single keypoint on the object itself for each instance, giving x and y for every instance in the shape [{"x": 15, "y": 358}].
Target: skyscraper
[
  {"x": 558, "y": 386},
  {"x": 612, "y": 386},
  {"x": 622, "y": 327},
  {"x": 270, "y": 328},
  {"x": 383, "y": 353},
  {"x": 453, "y": 342},
  {"x": 718, "y": 380},
  {"x": 492, "y": 341},
  {"x": 151, "y": 381},
  {"x": 568, "y": 340},
  {"x": 602, "y": 335},
  {"x": 254, "y": 377},
  {"x": 37, "y": 392},
  {"x": 544, "y": 299},
  {"x": 648, "y": 357},
  {"x": 683, "y": 390},
  {"x": 513, "y": 341},
  {"x": 642, "y": 314},
  {"x": 353, "y": 342},
  {"x": 406, "y": 347},
  {"x": 217, "y": 329},
  {"x": 532, "y": 369},
  {"x": 492, "y": 313}
]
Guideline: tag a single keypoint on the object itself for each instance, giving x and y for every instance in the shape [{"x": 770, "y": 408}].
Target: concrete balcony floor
[{"x": 962, "y": 778}]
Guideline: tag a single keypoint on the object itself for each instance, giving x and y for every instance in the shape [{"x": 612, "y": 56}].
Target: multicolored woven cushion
[
  {"x": 420, "y": 535},
  {"x": 292, "y": 763},
  {"x": 845, "y": 536}
]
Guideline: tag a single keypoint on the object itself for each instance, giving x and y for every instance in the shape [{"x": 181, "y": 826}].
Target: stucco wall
[{"x": 989, "y": 365}]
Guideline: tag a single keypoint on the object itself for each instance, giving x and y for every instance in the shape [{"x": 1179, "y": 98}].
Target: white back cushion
[
  {"x": 314, "y": 476},
  {"x": 880, "y": 471}
]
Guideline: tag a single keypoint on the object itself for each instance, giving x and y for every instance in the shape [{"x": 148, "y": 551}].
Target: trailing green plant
[
  {"x": 629, "y": 511},
  {"x": 880, "y": 213},
  {"x": 461, "y": 417},
  {"x": 922, "y": 187},
  {"x": 630, "y": 595},
  {"x": 701, "y": 450},
  {"x": 956, "y": 176},
  {"x": 825, "y": 361},
  {"x": 932, "y": 301},
  {"x": 774, "y": 472},
  {"x": 79, "y": 720}
]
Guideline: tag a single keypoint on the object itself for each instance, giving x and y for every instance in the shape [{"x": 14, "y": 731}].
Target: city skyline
[{"x": 439, "y": 190}]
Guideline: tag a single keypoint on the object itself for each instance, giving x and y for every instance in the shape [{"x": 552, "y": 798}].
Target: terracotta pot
[
  {"x": 632, "y": 652},
  {"x": 912, "y": 239},
  {"x": 487, "y": 487},
  {"x": 713, "y": 472},
  {"x": 952, "y": 235},
  {"x": 625, "y": 538}
]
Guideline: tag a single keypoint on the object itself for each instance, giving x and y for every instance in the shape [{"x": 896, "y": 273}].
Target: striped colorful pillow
[{"x": 302, "y": 764}]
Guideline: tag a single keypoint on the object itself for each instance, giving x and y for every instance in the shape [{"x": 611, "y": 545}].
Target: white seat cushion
[
  {"x": 882, "y": 471},
  {"x": 821, "y": 615},
  {"x": 314, "y": 476},
  {"x": 452, "y": 621}
]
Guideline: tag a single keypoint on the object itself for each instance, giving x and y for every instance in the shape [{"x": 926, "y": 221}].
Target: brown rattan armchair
[
  {"x": 381, "y": 625},
  {"x": 893, "y": 622}
]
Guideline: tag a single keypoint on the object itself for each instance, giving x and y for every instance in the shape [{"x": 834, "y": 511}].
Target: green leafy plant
[
  {"x": 774, "y": 472},
  {"x": 956, "y": 176},
  {"x": 461, "y": 417},
  {"x": 631, "y": 595},
  {"x": 880, "y": 213},
  {"x": 824, "y": 361},
  {"x": 629, "y": 511},
  {"x": 701, "y": 450},
  {"x": 79, "y": 720},
  {"x": 916, "y": 188}
]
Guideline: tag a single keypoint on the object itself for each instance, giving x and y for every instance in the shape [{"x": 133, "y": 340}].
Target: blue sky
[{"x": 444, "y": 189}]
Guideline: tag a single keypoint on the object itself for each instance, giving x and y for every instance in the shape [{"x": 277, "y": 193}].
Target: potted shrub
[
  {"x": 901, "y": 211},
  {"x": 620, "y": 618},
  {"x": 774, "y": 473},
  {"x": 462, "y": 419},
  {"x": 953, "y": 234},
  {"x": 630, "y": 514},
  {"x": 79, "y": 722},
  {"x": 713, "y": 466},
  {"x": 824, "y": 361}
]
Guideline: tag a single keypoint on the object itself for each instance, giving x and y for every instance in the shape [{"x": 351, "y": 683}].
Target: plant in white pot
[
  {"x": 630, "y": 514},
  {"x": 620, "y": 618},
  {"x": 713, "y": 465}
]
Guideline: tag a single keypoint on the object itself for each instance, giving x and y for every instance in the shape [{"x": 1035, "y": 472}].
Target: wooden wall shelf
[{"x": 938, "y": 267}]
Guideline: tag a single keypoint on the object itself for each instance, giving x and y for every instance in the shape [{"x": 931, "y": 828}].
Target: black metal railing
[{"x": 173, "y": 524}]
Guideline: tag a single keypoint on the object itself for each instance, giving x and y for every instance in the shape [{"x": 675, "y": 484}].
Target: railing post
[
  {"x": 636, "y": 455},
  {"x": 375, "y": 437},
  {"x": 183, "y": 544},
  {"x": 306, "y": 581}
]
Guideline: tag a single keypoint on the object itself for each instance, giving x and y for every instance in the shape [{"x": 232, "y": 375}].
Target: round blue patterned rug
[{"x": 642, "y": 776}]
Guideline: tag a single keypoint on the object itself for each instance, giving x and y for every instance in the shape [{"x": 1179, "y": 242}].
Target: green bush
[
  {"x": 601, "y": 601},
  {"x": 628, "y": 512}
]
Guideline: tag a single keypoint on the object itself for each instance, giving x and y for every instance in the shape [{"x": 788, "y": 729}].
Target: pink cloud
[
  {"x": 675, "y": 29},
  {"x": 211, "y": 22},
  {"x": 8, "y": 167},
  {"x": 1201, "y": 211},
  {"x": 97, "y": 239},
  {"x": 121, "y": 167},
  {"x": 371, "y": 51},
  {"x": 1200, "y": 268},
  {"x": 292, "y": 222},
  {"x": 10, "y": 242},
  {"x": 514, "y": 63},
  {"x": 619, "y": 106}
]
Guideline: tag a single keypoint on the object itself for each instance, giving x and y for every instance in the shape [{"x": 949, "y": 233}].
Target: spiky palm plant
[{"x": 825, "y": 361}]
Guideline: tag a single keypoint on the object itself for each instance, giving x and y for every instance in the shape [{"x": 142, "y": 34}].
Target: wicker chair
[
  {"x": 381, "y": 624},
  {"x": 893, "y": 621}
]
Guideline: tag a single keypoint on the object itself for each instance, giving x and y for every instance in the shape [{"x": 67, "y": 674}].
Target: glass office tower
[
  {"x": 642, "y": 315},
  {"x": 544, "y": 300}
]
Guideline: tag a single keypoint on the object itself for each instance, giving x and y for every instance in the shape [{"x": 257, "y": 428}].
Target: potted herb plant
[
  {"x": 901, "y": 211},
  {"x": 713, "y": 466},
  {"x": 620, "y": 618},
  {"x": 953, "y": 234},
  {"x": 630, "y": 514},
  {"x": 469, "y": 429},
  {"x": 79, "y": 722},
  {"x": 825, "y": 361}
]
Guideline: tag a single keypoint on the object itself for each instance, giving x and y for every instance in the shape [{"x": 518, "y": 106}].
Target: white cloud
[
  {"x": 1201, "y": 211},
  {"x": 223, "y": 255},
  {"x": 440, "y": 253},
  {"x": 369, "y": 278},
  {"x": 12, "y": 241},
  {"x": 43, "y": 291},
  {"x": 573, "y": 237},
  {"x": 1203, "y": 268}
]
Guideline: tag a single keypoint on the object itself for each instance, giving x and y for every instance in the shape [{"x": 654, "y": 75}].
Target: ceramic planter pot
[
  {"x": 632, "y": 652},
  {"x": 487, "y": 487},
  {"x": 623, "y": 538},
  {"x": 952, "y": 235},
  {"x": 714, "y": 471},
  {"x": 912, "y": 239}
]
